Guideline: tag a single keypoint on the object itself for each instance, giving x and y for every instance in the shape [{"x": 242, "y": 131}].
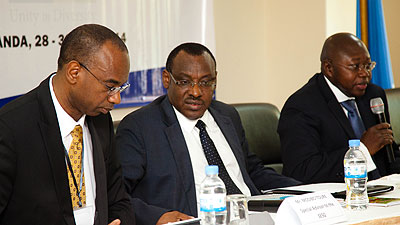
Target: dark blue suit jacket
[
  {"x": 157, "y": 166},
  {"x": 314, "y": 132}
]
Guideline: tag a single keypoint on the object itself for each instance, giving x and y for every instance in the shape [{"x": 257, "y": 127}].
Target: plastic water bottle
[
  {"x": 212, "y": 198},
  {"x": 355, "y": 170}
]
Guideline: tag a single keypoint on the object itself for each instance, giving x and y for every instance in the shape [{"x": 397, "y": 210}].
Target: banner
[{"x": 32, "y": 31}]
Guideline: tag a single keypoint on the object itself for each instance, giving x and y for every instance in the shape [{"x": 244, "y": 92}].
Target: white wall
[
  {"x": 340, "y": 16},
  {"x": 391, "y": 10},
  {"x": 266, "y": 49}
]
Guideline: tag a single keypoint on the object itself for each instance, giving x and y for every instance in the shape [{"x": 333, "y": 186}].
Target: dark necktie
[
  {"x": 213, "y": 158},
  {"x": 354, "y": 117}
]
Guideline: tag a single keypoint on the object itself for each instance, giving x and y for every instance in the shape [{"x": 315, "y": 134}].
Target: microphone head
[{"x": 377, "y": 105}]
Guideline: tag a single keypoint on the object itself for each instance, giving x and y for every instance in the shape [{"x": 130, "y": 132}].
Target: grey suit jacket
[
  {"x": 157, "y": 166},
  {"x": 34, "y": 185}
]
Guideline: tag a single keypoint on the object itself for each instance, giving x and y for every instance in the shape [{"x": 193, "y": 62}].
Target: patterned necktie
[
  {"x": 213, "y": 158},
  {"x": 75, "y": 157},
  {"x": 354, "y": 117}
]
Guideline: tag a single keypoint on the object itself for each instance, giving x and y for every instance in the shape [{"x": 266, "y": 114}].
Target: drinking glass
[{"x": 237, "y": 211}]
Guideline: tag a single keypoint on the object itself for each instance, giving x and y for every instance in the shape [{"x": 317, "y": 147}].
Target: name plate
[{"x": 318, "y": 208}]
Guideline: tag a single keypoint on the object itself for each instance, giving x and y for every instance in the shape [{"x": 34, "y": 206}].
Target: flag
[{"x": 371, "y": 30}]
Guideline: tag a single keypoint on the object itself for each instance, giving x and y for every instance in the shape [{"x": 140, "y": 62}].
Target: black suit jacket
[
  {"x": 34, "y": 186},
  {"x": 314, "y": 132},
  {"x": 157, "y": 166}
]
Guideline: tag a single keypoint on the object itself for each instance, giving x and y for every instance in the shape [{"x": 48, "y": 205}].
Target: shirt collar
[
  {"x": 340, "y": 96},
  {"x": 65, "y": 121},
  {"x": 188, "y": 125}
]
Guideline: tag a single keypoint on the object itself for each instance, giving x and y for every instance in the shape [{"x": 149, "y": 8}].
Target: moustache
[{"x": 194, "y": 100}]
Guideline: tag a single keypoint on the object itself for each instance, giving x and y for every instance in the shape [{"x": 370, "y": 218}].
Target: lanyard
[{"x": 78, "y": 190}]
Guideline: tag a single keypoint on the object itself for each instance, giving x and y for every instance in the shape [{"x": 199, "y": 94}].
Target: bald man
[{"x": 314, "y": 127}]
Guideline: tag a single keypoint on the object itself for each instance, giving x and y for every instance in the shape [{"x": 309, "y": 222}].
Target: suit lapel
[
  {"x": 180, "y": 152},
  {"x": 334, "y": 106},
  {"x": 229, "y": 131},
  {"x": 55, "y": 149},
  {"x": 99, "y": 173},
  {"x": 227, "y": 128}
]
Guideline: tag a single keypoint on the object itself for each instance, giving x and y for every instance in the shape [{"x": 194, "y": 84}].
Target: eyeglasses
[
  {"x": 111, "y": 90},
  {"x": 358, "y": 67},
  {"x": 186, "y": 83}
]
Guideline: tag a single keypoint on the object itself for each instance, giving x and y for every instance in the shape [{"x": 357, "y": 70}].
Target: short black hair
[
  {"x": 190, "y": 48},
  {"x": 82, "y": 42}
]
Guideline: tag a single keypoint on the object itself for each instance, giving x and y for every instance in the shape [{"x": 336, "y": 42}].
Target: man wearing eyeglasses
[
  {"x": 58, "y": 164},
  {"x": 166, "y": 145},
  {"x": 317, "y": 121}
]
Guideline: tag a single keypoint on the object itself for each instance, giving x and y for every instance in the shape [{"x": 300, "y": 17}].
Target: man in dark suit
[
  {"x": 314, "y": 127},
  {"x": 39, "y": 184},
  {"x": 161, "y": 152}
]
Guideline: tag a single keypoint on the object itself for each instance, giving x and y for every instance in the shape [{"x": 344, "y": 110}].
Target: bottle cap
[
  {"x": 211, "y": 170},
  {"x": 354, "y": 143}
]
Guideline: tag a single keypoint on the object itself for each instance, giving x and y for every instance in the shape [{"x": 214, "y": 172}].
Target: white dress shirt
[
  {"x": 342, "y": 98},
  {"x": 197, "y": 157},
  {"x": 66, "y": 123}
]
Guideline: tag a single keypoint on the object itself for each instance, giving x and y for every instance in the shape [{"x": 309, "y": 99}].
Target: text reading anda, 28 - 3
[{"x": 38, "y": 40}]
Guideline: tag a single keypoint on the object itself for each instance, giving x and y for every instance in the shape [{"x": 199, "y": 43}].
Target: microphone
[{"x": 378, "y": 108}]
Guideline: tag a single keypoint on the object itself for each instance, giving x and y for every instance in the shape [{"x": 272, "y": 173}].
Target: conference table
[{"x": 374, "y": 214}]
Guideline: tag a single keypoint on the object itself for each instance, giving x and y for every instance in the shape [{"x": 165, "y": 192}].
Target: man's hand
[
  {"x": 173, "y": 216},
  {"x": 376, "y": 137},
  {"x": 115, "y": 222}
]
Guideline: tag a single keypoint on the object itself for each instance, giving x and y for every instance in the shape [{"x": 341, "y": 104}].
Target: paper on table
[
  {"x": 328, "y": 187},
  {"x": 189, "y": 221},
  {"x": 260, "y": 218},
  {"x": 393, "y": 180},
  {"x": 379, "y": 201}
]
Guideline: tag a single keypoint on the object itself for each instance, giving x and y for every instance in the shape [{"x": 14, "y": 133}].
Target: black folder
[
  {"x": 372, "y": 190},
  {"x": 266, "y": 204}
]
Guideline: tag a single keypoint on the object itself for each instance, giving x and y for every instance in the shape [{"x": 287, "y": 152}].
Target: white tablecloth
[{"x": 373, "y": 212}]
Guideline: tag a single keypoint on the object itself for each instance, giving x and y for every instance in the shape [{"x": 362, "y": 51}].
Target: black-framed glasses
[
  {"x": 188, "y": 83},
  {"x": 358, "y": 67},
  {"x": 111, "y": 90}
]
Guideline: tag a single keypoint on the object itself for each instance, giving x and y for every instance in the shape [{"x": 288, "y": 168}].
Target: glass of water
[{"x": 237, "y": 211}]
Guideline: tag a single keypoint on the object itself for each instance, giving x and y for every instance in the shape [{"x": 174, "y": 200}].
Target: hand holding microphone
[{"x": 378, "y": 108}]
